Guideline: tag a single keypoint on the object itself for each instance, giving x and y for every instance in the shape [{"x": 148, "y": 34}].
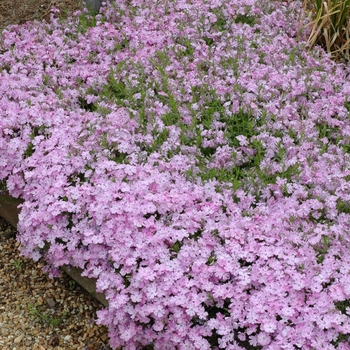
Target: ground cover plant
[{"x": 194, "y": 158}]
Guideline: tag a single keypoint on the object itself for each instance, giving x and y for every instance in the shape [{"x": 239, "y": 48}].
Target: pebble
[
  {"x": 51, "y": 303},
  {"x": 18, "y": 339},
  {"x": 4, "y": 332}
]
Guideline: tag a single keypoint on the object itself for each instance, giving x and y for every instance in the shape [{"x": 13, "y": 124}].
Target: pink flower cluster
[{"x": 194, "y": 158}]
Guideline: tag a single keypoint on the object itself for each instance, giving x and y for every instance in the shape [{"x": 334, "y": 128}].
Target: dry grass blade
[
  {"x": 330, "y": 26},
  {"x": 346, "y": 49}
]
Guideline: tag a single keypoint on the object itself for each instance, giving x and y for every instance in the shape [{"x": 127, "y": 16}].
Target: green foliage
[
  {"x": 245, "y": 19},
  {"x": 211, "y": 260},
  {"x": 208, "y": 41},
  {"x": 17, "y": 263},
  {"x": 324, "y": 130},
  {"x": 34, "y": 311},
  {"x": 346, "y": 148},
  {"x": 124, "y": 43},
  {"x": 221, "y": 19},
  {"x": 342, "y": 306},
  {"x": 160, "y": 138},
  {"x": 6, "y": 68},
  {"x": 3, "y": 186},
  {"x": 122, "y": 90},
  {"x": 230, "y": 64},
  {"x": 173, "y": 117},
  {"x": 89, "y": 107},
  {"x": 55, "y": 322},
  {"x": 343, "y": 206},
  {"x": 221, "y": 23},
  {"x": 72, "y": 285},
  {"x": 188, "y": 50},
  {"x": 118, "y": 157},
  {"x": 175, "y": 248},
  {"x": 292, "y": 55},
  {"x": 29, "y": 151},
  {"x": 322, "y": 248},
  {"x": 241, "y": 123},
  {"x": 347, "y": 105},
  {"x": 86, "y": 21},
  {"x": 115, "y": 89},
  {"x": 43, "y": 316}
]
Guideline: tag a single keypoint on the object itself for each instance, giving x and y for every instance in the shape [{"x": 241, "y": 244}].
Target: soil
[{"x": 21, "y": 11}]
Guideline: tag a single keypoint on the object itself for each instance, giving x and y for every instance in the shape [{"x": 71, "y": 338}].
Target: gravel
[{"x": 40, "y": 313}]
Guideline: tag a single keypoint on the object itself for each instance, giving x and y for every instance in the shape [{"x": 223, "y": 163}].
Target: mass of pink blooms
[{"x": 194, "y": 157}]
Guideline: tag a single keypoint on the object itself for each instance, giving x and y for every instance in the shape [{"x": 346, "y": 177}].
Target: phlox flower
[{"x": 191, "y": 163}]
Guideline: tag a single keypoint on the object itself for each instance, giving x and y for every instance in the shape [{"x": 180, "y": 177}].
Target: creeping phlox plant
[{"x": 194, "y": 158}]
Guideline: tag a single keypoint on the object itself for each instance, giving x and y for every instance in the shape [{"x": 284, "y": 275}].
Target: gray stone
[{"x": 93, "y": 5}]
